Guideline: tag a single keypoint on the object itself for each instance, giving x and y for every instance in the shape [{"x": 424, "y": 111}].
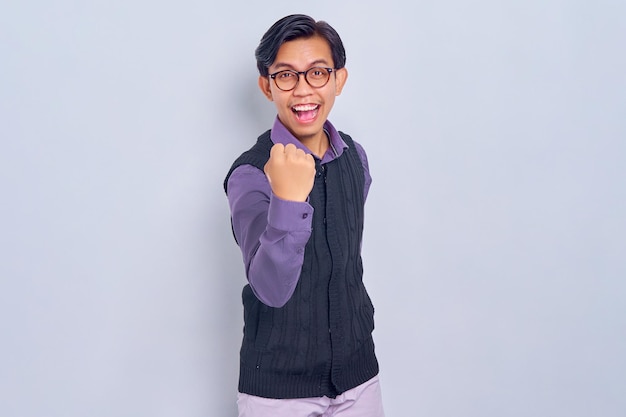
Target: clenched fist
[{"x": 290, "y": 171}]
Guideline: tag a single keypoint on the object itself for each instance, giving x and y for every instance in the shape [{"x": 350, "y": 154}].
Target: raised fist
[{"x": 290, "y": 172}]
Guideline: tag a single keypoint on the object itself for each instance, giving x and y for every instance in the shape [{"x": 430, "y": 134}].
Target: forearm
[
  {"x": 273, "y": 270},
  {"x": 271, "y": 233}
]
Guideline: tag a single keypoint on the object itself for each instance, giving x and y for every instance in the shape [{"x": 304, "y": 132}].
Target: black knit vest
[{"x": 319, "y": 343}]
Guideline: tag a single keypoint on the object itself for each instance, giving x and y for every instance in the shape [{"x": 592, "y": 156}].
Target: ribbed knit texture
[{"x": 319, "y": 343}]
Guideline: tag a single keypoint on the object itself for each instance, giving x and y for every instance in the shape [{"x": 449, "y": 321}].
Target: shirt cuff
[{"x": 290, "y": 216}]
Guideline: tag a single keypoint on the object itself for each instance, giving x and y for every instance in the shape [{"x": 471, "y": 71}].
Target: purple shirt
[{"x": 272, "y": 232}]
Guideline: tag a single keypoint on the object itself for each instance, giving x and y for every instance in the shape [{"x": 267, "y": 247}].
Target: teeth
[{"x": 305, "y": 107}]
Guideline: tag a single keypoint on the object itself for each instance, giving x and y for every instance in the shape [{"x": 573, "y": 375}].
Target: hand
[{"x": 290, "y": 172}]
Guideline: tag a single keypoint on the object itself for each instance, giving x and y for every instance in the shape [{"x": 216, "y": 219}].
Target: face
[{"x": 304, "y": 109}]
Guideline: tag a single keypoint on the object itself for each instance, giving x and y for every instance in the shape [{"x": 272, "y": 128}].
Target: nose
[{"x": 302, "y": 87}]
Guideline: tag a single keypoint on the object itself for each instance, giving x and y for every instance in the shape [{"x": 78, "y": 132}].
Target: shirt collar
[{"x": 280, "y": 134}]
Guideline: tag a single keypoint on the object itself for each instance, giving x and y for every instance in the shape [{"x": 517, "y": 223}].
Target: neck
[{"x": 318, "y": 145}]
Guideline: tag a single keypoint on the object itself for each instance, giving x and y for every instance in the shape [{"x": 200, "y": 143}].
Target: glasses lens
[
  {"x": 317, "y": 77},
  {"x": 286, "y": 80}
]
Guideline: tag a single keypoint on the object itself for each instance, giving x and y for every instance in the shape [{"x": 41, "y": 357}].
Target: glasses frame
[{"x": 306, "y": 77}]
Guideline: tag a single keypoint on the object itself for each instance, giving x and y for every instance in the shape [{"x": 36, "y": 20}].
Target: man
[{"x": 297, "y": 200}]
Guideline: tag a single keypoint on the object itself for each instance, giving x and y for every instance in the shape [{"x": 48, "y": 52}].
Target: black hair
[{"x": 293, "y": 27}]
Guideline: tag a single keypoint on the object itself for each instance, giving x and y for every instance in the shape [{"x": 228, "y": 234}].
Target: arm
[
  {"x": 366, "y": 168},
  {"x": 271, "y": 233}
]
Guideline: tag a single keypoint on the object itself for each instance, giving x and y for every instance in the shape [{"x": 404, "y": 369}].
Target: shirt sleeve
[
  {"x": 271, "y": 234},
  {"x": 366, "y": 169}
]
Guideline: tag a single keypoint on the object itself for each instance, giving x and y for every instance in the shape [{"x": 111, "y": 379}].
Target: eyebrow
[{"x": 280, "y": 65}]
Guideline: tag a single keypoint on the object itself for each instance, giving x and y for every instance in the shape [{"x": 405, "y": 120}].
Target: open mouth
[{"x": 305, "y": 112}]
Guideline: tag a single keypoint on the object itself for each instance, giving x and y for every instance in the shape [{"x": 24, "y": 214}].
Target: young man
[{"x": 296, "y": 200}]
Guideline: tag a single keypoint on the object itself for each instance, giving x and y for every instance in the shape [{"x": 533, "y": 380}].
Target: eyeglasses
[{"x": 287, "y": 80}]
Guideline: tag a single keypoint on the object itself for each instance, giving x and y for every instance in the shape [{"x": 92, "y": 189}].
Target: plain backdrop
[{"x": 495, "y": 228}]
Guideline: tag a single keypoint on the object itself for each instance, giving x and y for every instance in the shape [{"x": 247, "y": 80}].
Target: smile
[{"x": 305, "y": 112}]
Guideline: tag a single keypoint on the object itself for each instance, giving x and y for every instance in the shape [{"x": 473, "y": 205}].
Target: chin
[{"x": 307, "y": 133}]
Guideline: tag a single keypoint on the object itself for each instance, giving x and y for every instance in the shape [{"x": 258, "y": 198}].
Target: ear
[
  {"x": 341, "y": 75},
  {"x": 264, "y": 85}
]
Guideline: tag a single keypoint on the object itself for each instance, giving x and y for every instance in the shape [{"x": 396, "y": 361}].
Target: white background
[{"x": 495, "y": 228}]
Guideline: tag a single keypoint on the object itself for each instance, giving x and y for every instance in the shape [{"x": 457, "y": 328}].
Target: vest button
[{"x": 305, "y": 215}]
